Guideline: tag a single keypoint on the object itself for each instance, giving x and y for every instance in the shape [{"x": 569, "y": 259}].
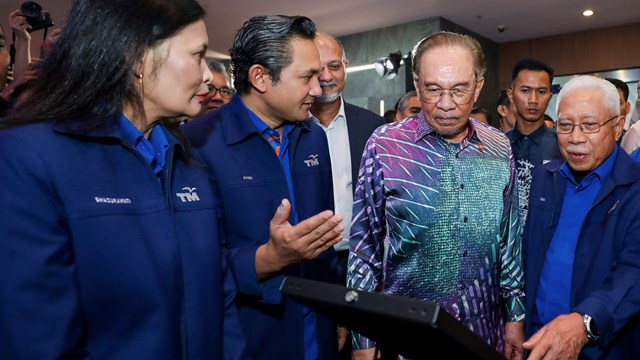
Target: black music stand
[{"x": 411, "y": 328}]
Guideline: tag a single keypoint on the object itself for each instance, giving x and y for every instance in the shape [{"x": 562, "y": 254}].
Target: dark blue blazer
[
  {"x": 251, "y": 184},
  {"x": 606, "y": 270},
  {"x": 360, "y": 123}
]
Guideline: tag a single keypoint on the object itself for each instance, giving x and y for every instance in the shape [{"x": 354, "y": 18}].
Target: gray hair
[
  {"x": 402, "y": 103},
  {"x": 609, "y": 92}
]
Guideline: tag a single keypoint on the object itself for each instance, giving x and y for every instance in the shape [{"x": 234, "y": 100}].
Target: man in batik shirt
[{"x": 436, "y": 210}]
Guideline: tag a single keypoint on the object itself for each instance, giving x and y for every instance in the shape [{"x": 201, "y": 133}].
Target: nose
[
  {"x": 325, "y": 74},
  {"x": 207, "y": 76},
  {"x": 576, "y": 135},
  {"x": 446, "y": 101},
  {"x": 315, "y": 90},
  {"x": 533, "y": 97}
]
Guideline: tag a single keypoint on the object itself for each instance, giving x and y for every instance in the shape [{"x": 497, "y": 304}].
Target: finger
[
  {"x": 282, "y": 213},
  {"x": 314, "y": 225},
  {"x": 533, "y": 340},
  {"x": 327, "y": 234}
]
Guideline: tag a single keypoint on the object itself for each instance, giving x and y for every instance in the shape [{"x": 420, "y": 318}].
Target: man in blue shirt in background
[
  {"x": 582, "y": 238},
  {"x": 532, "y": 142}
]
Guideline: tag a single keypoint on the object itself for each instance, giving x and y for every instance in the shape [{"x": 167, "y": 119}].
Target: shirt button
[
  {"x": 461, "y": 186},
  {"x": 465, "y": 219},
  {"x": 465, "y": 253}
]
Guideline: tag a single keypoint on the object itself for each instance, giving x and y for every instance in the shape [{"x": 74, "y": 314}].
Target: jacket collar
[
  {"x": 625, "y": 171},
  {"x": 237, "y": 124}
]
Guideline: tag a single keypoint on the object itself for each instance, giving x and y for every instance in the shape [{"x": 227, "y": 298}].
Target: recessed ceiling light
[{"x": 587, "y": 12}]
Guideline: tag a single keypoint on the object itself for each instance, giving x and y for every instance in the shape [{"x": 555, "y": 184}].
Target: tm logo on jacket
[
  {"x": 312, "y": 161},
  {"x": 189, "y": 195}
]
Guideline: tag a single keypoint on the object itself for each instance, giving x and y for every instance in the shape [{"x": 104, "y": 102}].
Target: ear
[
  {"x": 510, "y": 95},
  {"x": 259, "y": 78},
  {"x": 415, "y": 86},
  {"x": 479, "y": 85},
  {"x": 619, "y": 126},
  {"x": 502, "y": 111}
]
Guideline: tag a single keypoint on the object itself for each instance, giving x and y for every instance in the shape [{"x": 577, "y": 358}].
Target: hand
[
  {"x": 47, "y": 44},
  {"x": 364, "y": 354},
  {"x": 561, "y": 339},
  {"x": 18, "y": 23},
  {"x": 514, "y": 337},
  {"x": 290, "y": 244},
  {"x": 343, "y": 333}
]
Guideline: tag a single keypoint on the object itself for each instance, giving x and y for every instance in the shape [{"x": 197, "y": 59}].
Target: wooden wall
[{"x": 582, "y": 52}]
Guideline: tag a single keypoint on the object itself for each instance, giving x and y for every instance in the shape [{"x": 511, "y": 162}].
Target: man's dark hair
[
  {"x": 89, "y": 73},
  {"x": 503, "y": 98},
  {"x": 481, "y": 110},
  {"x": 532, "y": 65},
  {"x": 266, "y": 41},
  {"x": 619, "y": 84}
]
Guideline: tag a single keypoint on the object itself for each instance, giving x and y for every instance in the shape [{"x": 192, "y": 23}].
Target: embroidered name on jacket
[
  {"x": 108, "y": 200},
  {"x": 312, "y": 161},
  {"x": 189, "y": 195}
]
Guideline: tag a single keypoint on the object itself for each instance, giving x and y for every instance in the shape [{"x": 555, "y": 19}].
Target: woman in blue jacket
[{"x": 107, "y": 248}]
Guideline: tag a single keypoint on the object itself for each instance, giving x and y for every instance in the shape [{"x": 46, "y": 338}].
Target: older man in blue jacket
[
  {"x": 582, "y": 237},
  {"x": 261, "y": 148}
]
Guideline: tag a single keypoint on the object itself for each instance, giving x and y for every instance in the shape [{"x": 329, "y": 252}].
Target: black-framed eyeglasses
[
  {"x": 224, "y": 91},
  {"x": 432, "y": 95},
  {"x": 587, "y": 127}
]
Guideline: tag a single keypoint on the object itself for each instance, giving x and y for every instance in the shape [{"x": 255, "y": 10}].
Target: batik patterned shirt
[{"x": 439, "y": 222}]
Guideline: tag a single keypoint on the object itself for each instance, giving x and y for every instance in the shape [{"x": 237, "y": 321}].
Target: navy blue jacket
[
  {"x": 251, "y": 183},
  {"x": 606, "y": 270},
  {"x": 99, "y": 259},
  {"x": 360, "y": 125}
]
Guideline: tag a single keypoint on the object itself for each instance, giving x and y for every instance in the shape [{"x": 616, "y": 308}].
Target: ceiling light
[{"x": 587, "y": 12}]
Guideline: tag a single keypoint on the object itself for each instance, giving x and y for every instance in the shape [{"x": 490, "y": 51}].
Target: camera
[
  {"x": 501, "y": 28},
  {"x": 36, "y": 17}
]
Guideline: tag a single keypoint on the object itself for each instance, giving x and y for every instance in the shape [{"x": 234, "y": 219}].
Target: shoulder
[
  {"x": 356, "y": 112},
  {"x": 490, "y": 134}
]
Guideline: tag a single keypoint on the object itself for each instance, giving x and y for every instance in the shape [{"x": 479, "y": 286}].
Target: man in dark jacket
[
  {"x": 582, "y": 237},
  {"x": 266, "y": 157}
]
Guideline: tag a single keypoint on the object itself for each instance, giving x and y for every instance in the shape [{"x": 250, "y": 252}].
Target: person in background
[
  {"x": 408, "y": 105},
  {"x": 582, "y": 238},
  {"x": 506, "y": 110},
  {"x": 389, "y": 116},
  {"x": 220, "y": 90},
  {"x": 108, "y": 250},
  {"x": 532, "y": 142},
  {"x": 5, "y": 61},
  {"x": 548, "y": 121},
  {"x": 348, "y": 128},
  {"x": 481, "y": 114},
  {"x": 21, "y": 62},
  {"x": 266, "y": 155},
  {"x": 412, "y": 235},
  {"x": 632, "y": 142}
]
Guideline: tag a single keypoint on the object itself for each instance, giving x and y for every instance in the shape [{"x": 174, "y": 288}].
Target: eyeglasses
[
  {"x": 225, "y": 92},
  {"x": 588, "y": 127},
  {"x": 432, "y": 95}
]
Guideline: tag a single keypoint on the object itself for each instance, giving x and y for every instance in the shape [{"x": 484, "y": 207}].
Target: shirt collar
[
  {"x": 262, "y": 127},
  {"x": 340, "y": 115},
  {"x": 536, "y": 135},
  {"x": 602, "y": 171}
]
